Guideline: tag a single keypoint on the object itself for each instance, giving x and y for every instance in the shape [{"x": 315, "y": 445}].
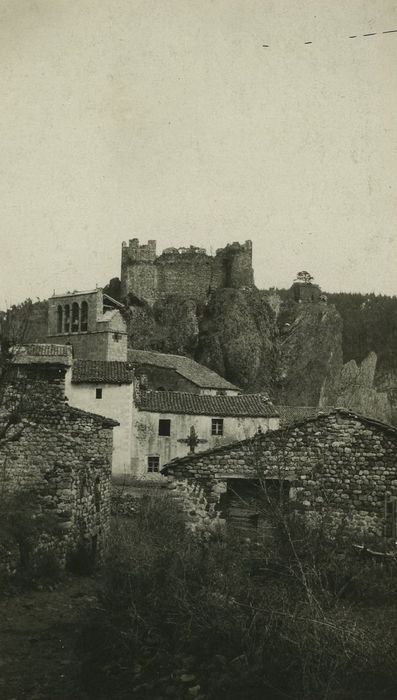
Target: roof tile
[
  {"x": 101, "y": 372},
  {"x": 185, "y": 366},
  {"x": 249, "y": 405}
]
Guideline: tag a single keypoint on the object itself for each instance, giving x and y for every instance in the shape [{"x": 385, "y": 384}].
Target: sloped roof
[
  {"x": 248, "y": 405},
  {"x": 292, "y": 414},
  {"x": 101, "y": 372},
  {"x": 378, "y": 425},
  {"x": 185, "y": 366},
  {"x": 59, "y": 413},
  {"x": 42, "y": 353}
]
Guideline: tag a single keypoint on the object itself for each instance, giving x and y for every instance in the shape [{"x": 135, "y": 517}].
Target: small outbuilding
[{"x": 337, "y": 461}]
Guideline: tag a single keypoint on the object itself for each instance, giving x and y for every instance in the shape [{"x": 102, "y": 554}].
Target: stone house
[
  {"x": 155, "y": 426},
  {"x": 61, "y": 454},
  {"x": 168, "y": 424},
  {"x": 164, "y": 372},
  {"x": 106, "y": 388},
  {"x": 336, "y": 462}
]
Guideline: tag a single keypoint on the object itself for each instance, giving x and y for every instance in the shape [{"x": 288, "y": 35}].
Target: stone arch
[
  {"x": 66, "y": 325},
  {"x": 75, "y": 317},
  {"x": 84, "y": 316},
  {"x": 59, "y": 319}
]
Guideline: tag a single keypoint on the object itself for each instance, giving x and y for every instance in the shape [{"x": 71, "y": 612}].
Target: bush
[
  {"x": 80, "y": 561},
  {"x": 241, "y": 620}
]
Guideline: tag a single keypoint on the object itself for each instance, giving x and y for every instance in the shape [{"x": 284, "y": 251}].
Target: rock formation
[{"x": 310, "y": 354}]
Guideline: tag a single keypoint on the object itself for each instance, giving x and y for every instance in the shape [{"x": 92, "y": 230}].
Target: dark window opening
[
  {"x": 98, "y": 393},
  {"x": 84, "y": 316},
  {"x": 75, "y": 317},
  {"x": 164, "y": 426},
  {"x": 221, "y": 392},
  {"x": 217, "y": 426},
  {"x": 160, "y": 388},
  {"x": 83, "y": 487},
  {"x": 59, "y": 319},
  {"x": 251, "y": 504},
  {"x": 153, "y": 464},
  {"x": 391, "y": 517},
  {"x": 94, "y": 548},
  {"x": 116, "y": 337},
  {"x": 67, "y": 318},
  {"x": 97, "y": 495}
]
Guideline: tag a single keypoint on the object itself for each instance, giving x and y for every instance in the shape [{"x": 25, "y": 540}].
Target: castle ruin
[{"x": 189, "y": 272}]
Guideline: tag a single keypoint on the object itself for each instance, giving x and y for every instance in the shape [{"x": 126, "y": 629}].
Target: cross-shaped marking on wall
[{"x": 192, "y": 440}]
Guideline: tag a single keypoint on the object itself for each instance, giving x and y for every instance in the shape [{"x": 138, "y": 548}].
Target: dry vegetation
[{"x": 215, "y": 618}]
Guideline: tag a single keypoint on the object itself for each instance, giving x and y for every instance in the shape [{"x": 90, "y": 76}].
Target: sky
[{"x": 169, "y": 120}]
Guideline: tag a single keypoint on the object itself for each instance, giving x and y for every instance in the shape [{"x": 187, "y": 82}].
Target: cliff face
[
  {"x": 354, "y": 387},
  {"x": 238, "y": 338},
  {"x": 310, "y": 355},
  {"x": 235, "y": 334}
]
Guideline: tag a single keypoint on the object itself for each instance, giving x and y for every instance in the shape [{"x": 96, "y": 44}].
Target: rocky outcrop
[
  {"x": 310, "y": 355},
  {"x": 170, "y": 326},
  {"x": 238, "y": 338},
  {"x": 354, "y": 388}
]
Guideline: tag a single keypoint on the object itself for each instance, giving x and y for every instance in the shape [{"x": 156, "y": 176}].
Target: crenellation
[{"x": 187, "y": 271}]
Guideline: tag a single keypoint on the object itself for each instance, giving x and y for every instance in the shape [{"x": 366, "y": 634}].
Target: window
[
  {"x": 391, "y": 517},
  {"x": 217, "y": 426},
  {"x": 97, "y": 495},
  {"x": 221, "y": 392},
  {"x": 67, "y": 318},
  {"x": 59, "y": 319},
  {"x": 116, "y": 337},
  {"x": 84, "y": 316},
  {"x": 98, "y": 393},
  {"x": 153, "y": 464},
  {"x": 164, "y": 426},
  {"x": 75, "y": 317}
]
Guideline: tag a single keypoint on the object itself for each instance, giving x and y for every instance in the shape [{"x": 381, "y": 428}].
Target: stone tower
[{"x": 190, "y": 272}]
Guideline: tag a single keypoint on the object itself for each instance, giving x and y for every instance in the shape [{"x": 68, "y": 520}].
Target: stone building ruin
[{"x": 189, "y": 272}]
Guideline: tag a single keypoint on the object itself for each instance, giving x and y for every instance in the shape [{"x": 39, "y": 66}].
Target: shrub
[{"x": 240, "y": 619}]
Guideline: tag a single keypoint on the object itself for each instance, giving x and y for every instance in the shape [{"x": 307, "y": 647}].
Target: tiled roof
[
  {"x": 42, "y": 353},
  {"x": 292, "y": 414},
  {"x": 101, "y": 372},
  {"x": 263, "y": 437},
  {"x": 252, "y": 405},
  {"x": 47, "y": 349},
  {"x": 185, "y": 366}
]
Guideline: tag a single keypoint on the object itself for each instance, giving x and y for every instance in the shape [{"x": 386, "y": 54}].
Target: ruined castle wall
[
  {"x": 236, "y": 263},
  {"x": 186, "y": 274},
  {"x": 336, "y": 463},
  {"x": 189, "y": 272},
  {"x": 140, "y": 280}
]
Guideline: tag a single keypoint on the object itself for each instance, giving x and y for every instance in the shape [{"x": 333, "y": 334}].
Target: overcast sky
[{"x": 167, "y": 119}]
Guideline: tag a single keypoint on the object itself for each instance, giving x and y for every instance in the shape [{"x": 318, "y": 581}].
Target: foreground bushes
[{"x": 182, "y": 617}]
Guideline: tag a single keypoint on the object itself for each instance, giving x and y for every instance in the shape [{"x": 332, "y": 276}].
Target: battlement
[
  {"x": 139, "y": 253},
  {"x": 188, "y": 271}
]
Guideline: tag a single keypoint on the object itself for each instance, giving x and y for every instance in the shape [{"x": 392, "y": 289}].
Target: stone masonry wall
[
  {"x": 63, "y": 458},
  {"x": 338, "y": 462},
  {"x": 189, "y": 272}
]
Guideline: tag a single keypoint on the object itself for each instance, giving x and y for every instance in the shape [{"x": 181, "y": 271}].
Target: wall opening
[
  {"x": 67, "y": 318},
  {"x": 75, "y": 317},
  {"x": 59, "y": 319},
  {"x": 164, "y": 427},
  {"x": 254, "y": 505},
  {"x": 84, "y": 316}
]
